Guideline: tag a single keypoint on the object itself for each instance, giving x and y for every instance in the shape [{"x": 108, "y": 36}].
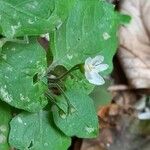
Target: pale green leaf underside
[
  {"x": 19, "y": 63},
  {"x": 36, "y": 132},
  {"x": 5, "y": 117},
  {"x": 19, "y": 18},
  {"x": 90, "y": 30},
  {"x": 82, "y": 120}
]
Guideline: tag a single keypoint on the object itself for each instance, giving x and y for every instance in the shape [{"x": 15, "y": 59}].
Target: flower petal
[
  {"x": 98, "y": 59},
  {"x": 144, "y": 116},
  {"x": 101, "y": 67},
  {"x": 88, "y": 61},
  {"x": 94, "y": 78}
]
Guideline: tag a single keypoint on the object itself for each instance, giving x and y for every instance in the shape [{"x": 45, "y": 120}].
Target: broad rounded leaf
[
  {"x": 82, "y": 120},
  {"x": 36, "y": 132},
  {"x": 5, "y": 117},
  {"x": 21, "y": 66},
  {"x": 90, "y": 30},
  {"x": 32, "y": 17}
]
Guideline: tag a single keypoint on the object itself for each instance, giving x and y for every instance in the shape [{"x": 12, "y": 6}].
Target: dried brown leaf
[{"x": 134, "y": 51}]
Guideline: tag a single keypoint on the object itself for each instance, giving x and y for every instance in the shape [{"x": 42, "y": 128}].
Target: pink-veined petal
[{"x": 94, "y": 78}]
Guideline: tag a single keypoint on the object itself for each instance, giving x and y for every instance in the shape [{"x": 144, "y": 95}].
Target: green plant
[{"x": 46, "y": 92}]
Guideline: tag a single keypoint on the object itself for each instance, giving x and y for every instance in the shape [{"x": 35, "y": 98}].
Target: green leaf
[
  {"x": 30, "y": 17},
  {"x": 36, "y": 132},
  {"x": 101, "y": 96},
  {"x": 77, "y": 80},
  {"x": 82, "y": 120},
  {"x": 90, "y": 30},
  {"x": 21, "y": 66},
  {"x": 5, "y": 117}
]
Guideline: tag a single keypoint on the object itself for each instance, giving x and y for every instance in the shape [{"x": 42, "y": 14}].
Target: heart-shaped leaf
[
  {"x": 36, "y": 132},
  {"x": 81, "y": 120},
  {"x": 21, "y": 66},
  {"x": 90, "y": 30}
]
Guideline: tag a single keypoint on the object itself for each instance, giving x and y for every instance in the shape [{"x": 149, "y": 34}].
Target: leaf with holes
[
  {"x": 21, "y": 66},
  {"x": 90, "y": 30},
  {"x": 19, "y": 18},
  {"x": 5, "y": 117},
  {"x": 36, "y": 131},
  {"x": 81, "y": 120}
]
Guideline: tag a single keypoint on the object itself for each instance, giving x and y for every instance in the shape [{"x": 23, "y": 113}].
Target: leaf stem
[
  {"x": 66, "y": 73},
  {"x": 67, "y": 99},
  {"x": 24, "y": 41},
  {"x": 52, "y": 99}
]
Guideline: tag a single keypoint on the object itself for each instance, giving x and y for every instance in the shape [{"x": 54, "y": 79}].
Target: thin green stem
[
  {"x": 67, "y": 99},
  {"x": 66, "y": 73},
  {"x": 24, "y": 41},
  {"x": 52, "y": 99}
]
